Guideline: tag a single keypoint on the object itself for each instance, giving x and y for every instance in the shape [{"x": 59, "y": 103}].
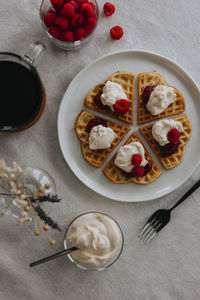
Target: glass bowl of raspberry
[{"x": 69, "y": 24}]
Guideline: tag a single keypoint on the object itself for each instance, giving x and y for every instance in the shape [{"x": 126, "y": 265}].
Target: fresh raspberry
[
  {"x": 67, "y": 36},
  {"x": 57, "y": 3},
  {"x": 121, "y": 107},
  {"x": 173, "y": 135},
  {"x": 62, "y": 23},
  {"x": 108, "y": 9},
  {"x": 136, "y": 160},
  {"x": 75, "y": 4},
  {"x": 137, "y": 171},
  {"x": 68, "y": 10},
  {"x": 49, "y": 19},
  {"x": 79, "y": 33},
  {"x": 147, "y": 168},
  {"x": 55, "y": 32},
  {"x": 77, "y": 20},
  {"x": 95, "y": 122},
  {"x": 92, "y": 5},
  {"x": 116, "y": 32},
  {"x": 86, "y": 10},
  {"x": 51, "y": 11},
  {"x": 81, "y": 1},
  {"x": 88, "y": 32},
  {"x": 169, "y": 149},
  {"x": 90, "y": 23},
  {"x": 147, "y": 92}
]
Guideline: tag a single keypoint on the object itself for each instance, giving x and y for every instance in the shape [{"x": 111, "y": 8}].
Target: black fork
[{"x": 161, "y": 217}]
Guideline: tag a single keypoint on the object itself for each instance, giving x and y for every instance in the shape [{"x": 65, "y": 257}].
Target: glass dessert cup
[
  {"x": 69, "y": 46},
  {"x": 108, "y": 262}
]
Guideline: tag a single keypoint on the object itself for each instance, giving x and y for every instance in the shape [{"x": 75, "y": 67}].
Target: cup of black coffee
[{"x": 23, "y": 95}]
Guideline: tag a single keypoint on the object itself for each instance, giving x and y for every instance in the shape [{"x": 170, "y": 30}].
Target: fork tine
[
  {"x": 147, "y": 232},
  {"x": 150, "y": 237},
  {"x": 159, "y": 227},
  {"x": 150, "y": 229},
  {"x": 145, "y": 228},
  {"x": 153, "y": 232}
]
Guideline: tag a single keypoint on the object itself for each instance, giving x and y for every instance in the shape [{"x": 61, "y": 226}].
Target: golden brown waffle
[
  {"x": 96, "y": 157},
  {"x": 116, "y": 175},
  {"x": 173, "y": 160},
  {"x": 127, "y": 81},
  {"x": 154, "y": 78}
]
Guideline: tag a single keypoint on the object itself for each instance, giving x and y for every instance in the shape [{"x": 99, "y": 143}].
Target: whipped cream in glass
[
  {"x": 125, "y": 153},
  {"x": 98, "y": 238},
  {"x": 101, "y": 137},
  {"x": 112, "y": 92},
  {"x": 161, "y": 97},
  {"x": 161, "y": 128}
]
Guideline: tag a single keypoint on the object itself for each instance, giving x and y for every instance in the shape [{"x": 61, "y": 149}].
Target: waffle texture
[
  {"x": 116, "y": 175},
  {"x": 96, "y": 157},
  {"x": 127, "y": 81},
  {"x": 154, "y": 78},
  {"x": 173, "y": 160}
]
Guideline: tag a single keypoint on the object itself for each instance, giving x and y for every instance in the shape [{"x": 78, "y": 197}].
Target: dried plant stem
[
  {"x": 14, "y": 187},
  {"x": 5, "y": 208}
]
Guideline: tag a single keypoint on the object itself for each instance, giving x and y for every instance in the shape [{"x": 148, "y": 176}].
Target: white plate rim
[{"x": 59, "y": 120}]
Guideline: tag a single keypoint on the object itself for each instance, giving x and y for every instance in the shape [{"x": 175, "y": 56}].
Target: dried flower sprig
[
  {"x": 47, "y": 220},
  {"x": 46, "y": 198},
  {"x": 20, "y": 195}
]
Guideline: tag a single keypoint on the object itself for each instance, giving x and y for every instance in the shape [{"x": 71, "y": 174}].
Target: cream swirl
[
  {"x": 112, "y": 92},
  {"x": 101, "y": 137},
  {"x": 98, "y": 238},
  {"x": 161, "y": 128},
  {"x": 161, "y": 97},
  {"x": 125, "y": 153}
]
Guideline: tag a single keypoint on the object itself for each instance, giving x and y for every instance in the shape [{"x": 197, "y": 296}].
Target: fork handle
[{"x": 186, "y": 195}]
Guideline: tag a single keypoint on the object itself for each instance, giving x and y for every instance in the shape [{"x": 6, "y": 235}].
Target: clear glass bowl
[
  {"x": 31, "y": 179},
  {"x": 110, "y": 262},
  {"x": 69, "y": 46}
]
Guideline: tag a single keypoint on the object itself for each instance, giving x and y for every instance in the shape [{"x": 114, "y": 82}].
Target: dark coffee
[{"x": 21, "y": 95}]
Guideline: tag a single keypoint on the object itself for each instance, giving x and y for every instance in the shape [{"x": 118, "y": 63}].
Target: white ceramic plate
[{"x": 72, "y": 104}]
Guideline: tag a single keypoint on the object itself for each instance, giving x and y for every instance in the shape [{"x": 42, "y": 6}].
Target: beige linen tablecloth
[{"x": 169, "y": 267}]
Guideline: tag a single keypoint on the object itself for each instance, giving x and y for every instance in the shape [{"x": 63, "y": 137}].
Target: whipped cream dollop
[
  {"x": 101, "y": 137},
  {"x": 161, "y": 97},
  {"x": 161, "y": 128},
  {"x": 112, "y": 92},
  {"x": 98, "y": 238},
  {"x": 125, "y": 153}
]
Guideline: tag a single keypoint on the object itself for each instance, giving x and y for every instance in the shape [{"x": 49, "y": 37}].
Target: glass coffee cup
[{"x": 23, "y": 95}]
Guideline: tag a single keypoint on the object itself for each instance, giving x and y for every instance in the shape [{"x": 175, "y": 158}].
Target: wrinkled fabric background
[{"x": 169, "y": 267}]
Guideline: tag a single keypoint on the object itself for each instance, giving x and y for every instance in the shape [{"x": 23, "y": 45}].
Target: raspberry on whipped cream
[
  {"x": 160, "y": 98},
  {"x": 112, "y": 92},
  {"x": 101, "y": 137},
  {"x": 161, "y": 128},
  {"x": 123, "y": 159}
]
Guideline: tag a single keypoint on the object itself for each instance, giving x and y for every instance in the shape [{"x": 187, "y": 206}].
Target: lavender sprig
[
  {"x": 47, "y": 220},
  {"x": 46, "y": 198}
]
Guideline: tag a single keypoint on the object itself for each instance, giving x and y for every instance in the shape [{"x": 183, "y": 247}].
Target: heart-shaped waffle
[
  {"x": 127, "y": 81},
  {"x": 173, "y": 160},
  {"x": 116, "y": 175},
  {"x": 153, "y": 79},
  {"x": 96, "y": 157}
]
